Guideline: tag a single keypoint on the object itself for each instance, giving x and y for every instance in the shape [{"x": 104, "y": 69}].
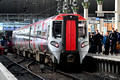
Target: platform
[
  {"x": 106, "y": 57},
  {"x": 5, "y": 74},
  {"x": 105, "y": 63}
]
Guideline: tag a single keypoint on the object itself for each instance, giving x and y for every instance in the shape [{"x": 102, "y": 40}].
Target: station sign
[
  {"x": 97, "y": 18},
  {"x": 9, "y": 28},
  {"x": 94, "y": 22},
  {"x": 13, "y": 26}
]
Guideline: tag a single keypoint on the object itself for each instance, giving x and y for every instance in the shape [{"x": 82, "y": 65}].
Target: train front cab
[
  {"x": 68, "y": 39},
  {"x": 70, "y": 52},
  {"x": 74, "y": 40}
]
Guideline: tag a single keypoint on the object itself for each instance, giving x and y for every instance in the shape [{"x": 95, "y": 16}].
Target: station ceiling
[{"x": 47, "y": 6}]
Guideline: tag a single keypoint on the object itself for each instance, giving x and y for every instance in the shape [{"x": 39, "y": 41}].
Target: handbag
[{"x": 117, "y": 46}]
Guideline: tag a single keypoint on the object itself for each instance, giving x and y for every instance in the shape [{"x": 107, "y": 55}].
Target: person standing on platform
[
  {"x": 107, "y": 44},
  {"x": 113, "y": 41},
  {"x": 3, "y": 41},
  {"x": 92, "y": 43},
  {"x": 101, "y": 40},
  {"x": 97, "y": 42}
]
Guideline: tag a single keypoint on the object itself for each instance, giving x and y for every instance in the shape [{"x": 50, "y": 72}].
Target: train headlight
[
  {"x": 84, "y": 44},
  {"x": 55, "y": 44}
]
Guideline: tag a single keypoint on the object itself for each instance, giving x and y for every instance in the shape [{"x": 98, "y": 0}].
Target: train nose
[
  {"x": 70, "y": 58},
  {"x": 70, "y": 33}
]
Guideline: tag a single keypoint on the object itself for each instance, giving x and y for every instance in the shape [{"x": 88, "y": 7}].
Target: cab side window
[
  {"x": 57, "y": 25},
  {"x": 82, "y": 29}
]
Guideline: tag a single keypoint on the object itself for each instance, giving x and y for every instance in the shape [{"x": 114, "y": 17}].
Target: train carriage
[{"x": 61, "y": 38}]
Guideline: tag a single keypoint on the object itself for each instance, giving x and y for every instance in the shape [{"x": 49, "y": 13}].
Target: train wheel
[
  {"x": 50, "y": 62},
  {"x": 31, "y": 56}
]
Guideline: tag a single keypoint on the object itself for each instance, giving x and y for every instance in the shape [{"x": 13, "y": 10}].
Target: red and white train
[{"x": 61, "y": 38}]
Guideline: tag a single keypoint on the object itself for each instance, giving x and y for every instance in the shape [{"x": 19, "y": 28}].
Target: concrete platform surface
[
  {"x": 106, "y": 57},
  {"x": 6, "y": 74}
]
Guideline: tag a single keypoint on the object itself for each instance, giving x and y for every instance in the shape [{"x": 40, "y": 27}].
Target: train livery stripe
[
  {"x": 25, "y": 44},
  {"x": 21, "y": 44},
  {"x": 34, "y": 37},
  {"x": 73, "y": 35},
  {"x": 68, "y": 29},
  {"x": 70, "y": 35},
  {"x": 42, "y": 45}
]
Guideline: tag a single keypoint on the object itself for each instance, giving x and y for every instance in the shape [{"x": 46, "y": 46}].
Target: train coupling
[{"x": 70, "y": 58}]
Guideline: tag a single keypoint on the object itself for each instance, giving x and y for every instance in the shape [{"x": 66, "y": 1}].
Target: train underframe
[
  {"x": 49, "y": 59},
  {"x": 42, "y": 57}
]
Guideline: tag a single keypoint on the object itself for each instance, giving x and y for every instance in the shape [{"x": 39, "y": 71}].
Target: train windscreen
[
  {"x": 57, "y": 26},
  {"x": 82, "y": 31}
]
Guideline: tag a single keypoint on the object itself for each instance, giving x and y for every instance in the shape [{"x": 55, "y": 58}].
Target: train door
[{"x": 32, "y": 37}]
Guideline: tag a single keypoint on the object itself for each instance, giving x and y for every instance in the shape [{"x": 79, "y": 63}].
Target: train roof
[{"x": 58, "y": 17}]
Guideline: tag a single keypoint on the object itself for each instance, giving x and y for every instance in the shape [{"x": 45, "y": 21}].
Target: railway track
[
  {"x": 74, "y": 76},
  {"x": 48, "y": 74},
  {"x": 20, "y": 71}
]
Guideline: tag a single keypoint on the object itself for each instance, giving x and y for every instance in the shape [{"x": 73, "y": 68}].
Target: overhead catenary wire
[{"x": 46, "y": 10}]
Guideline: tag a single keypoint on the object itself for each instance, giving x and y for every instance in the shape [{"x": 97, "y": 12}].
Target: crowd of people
[{"x": 104, "y": 44}]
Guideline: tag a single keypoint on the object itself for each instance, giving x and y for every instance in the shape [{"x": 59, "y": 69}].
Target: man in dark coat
[
  {"x": 97, "y": 41},
  {"x": 92, "y": 43},
  {"x": 113, "y": 40},
  {"x": 101, "y": 40}
]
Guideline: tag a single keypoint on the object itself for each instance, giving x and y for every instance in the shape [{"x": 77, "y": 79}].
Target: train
[
  {"x": 54, "y": 40},
  {"x": 5, "y": 45}
]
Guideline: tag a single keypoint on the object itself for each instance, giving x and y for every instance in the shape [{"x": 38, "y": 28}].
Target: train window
[
  {"x": 57, "y": 26},
  {"x": 82, "y": 29},
  {"x": 35, "y": 30},
  {"x": 48, "y": 31},
  {"x": 27, "y": 31},
  {"x": 39, "y": 33},
  {"x": 32, "y": 30}
]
